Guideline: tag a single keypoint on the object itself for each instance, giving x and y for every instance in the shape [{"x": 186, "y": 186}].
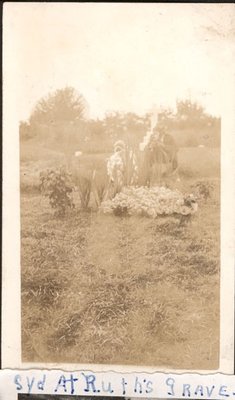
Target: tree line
[{"x": 63, "y": 115}]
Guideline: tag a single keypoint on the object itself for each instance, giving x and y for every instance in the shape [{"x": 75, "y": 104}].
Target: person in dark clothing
[{"x": 167, "y": 143}]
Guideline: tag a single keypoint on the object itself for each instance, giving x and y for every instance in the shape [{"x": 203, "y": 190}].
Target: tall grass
[
  {"x": 130, "y": 167},
  {"x": 100, "y": 187},
  {"x": 84, "y": 184}
]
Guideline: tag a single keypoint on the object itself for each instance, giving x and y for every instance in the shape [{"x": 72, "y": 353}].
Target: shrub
[{"x": 57, "y": 186}]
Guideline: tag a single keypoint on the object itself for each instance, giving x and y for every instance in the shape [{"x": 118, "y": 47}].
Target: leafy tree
[
  {"x": 63, "y": 105},
  {"x": 129, "y": 127},
  {"x": 190, "y": 114},
  {"x": 186, "y": 109},
  {"x": 114, "y": 125}
]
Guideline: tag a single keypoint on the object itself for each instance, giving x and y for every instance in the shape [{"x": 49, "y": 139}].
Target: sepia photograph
[{"x": 121, "y": 123}]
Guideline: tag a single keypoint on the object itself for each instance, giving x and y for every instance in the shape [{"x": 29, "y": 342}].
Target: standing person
[
  {"x": 122, "y": 166},
  {"x": 116, "y": 164},
  {"x": 169, "y": 145}
]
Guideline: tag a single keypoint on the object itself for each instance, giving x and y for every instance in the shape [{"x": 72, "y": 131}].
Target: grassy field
[{"x": 105, "y": 289}]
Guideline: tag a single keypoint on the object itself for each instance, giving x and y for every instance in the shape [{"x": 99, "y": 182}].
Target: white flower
[{"x": 151, "y": 201}]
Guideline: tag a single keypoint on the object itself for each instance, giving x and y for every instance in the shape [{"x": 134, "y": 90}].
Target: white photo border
[{"x": 11, "y": 289}]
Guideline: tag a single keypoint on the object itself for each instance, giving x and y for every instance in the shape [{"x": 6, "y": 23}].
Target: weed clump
[{"x": 203, "y": 189}]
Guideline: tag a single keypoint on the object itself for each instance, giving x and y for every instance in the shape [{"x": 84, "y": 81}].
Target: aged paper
[{"x": 118, "y": 186}]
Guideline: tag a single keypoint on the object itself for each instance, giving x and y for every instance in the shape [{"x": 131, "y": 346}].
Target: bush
[{"x": 57, "y": 186}]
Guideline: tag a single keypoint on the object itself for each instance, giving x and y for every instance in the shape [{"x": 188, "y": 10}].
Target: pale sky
[{"x": 123, "y": 57}]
